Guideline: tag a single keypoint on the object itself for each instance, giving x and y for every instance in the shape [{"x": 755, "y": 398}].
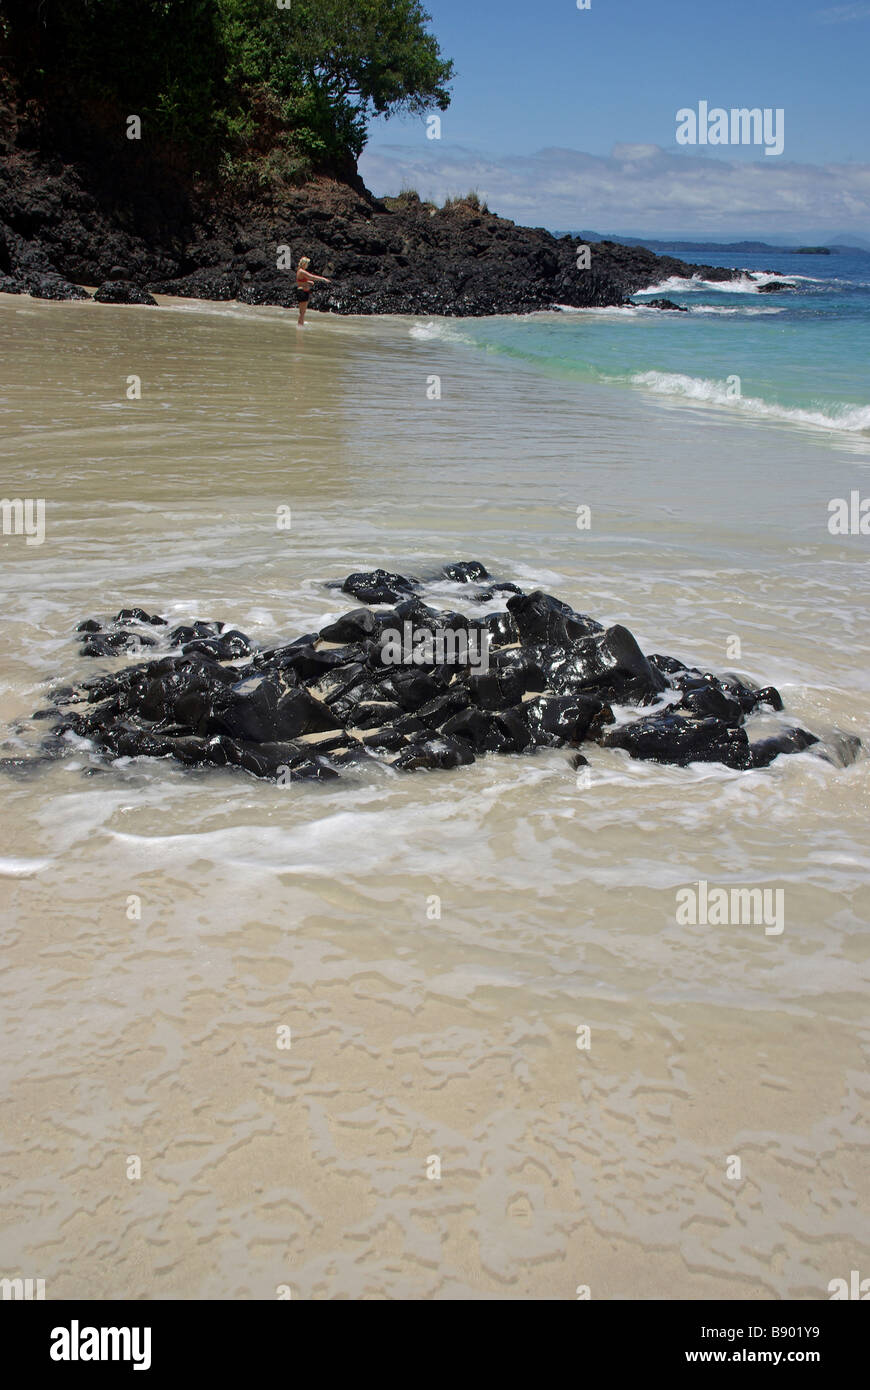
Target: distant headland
[{"x": 677, "y": 246}]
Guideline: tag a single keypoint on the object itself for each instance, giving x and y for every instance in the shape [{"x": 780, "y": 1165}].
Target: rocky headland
[{"x": 129, "y": 230}]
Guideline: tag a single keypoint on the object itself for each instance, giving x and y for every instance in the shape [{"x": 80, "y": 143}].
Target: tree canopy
[{"x": 229, "y": 79}]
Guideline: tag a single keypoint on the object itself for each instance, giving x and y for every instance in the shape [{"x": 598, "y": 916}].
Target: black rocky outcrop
[
  {"x": 326, "y": 701},
  {"x": 131, "y": 227},
  {"x": 123, "y": 292},
  {"x": 664, "y": 304},
  {"x": 776, "y": 287}
]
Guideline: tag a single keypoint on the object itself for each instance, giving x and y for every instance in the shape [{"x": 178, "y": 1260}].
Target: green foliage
[
  {"x": 331, "y": 64},
  {"x": 162, "y": 60},
  {"x": 408, "y": 199},
  {"x": 232, "y": 81},
  {"x": 469, "y": 202}
]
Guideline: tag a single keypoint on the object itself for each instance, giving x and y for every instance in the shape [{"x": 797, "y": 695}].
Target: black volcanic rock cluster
[{"x": 551, "y": 678}]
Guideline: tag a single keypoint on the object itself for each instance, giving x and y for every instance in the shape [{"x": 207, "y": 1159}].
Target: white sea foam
[
  {"x": 748, "y": 283},
  {"x": 641, "y": 310},
  {"x": 22, "y": 868},
  {"x": 425, "y": 332},
  {"x": 431, "y": 332},
  {"x": 854, "y": 419},
  {"x": 743, "y": 310},
  {"x": 682, "y": 284},
  {"x": 607, "y": 310},
  {"x": 763, "y": 277}
]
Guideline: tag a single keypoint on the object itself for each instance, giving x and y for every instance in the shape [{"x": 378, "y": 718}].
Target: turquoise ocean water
[{"x": 800, "y": 353}]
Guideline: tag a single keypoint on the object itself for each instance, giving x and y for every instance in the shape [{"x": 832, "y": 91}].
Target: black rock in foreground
[{"x": 413, "y": 687}]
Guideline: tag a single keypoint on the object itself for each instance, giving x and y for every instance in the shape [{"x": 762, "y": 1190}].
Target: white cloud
[
  {"x": 636, "y": 187},
  {"x": 634, "y": 152},
  {"x": 843, "y": 14}
]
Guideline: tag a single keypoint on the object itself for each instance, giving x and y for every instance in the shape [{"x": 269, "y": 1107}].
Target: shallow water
[
  {"x": 311, "y": 907},
  {"x": 792, "y": 349}
]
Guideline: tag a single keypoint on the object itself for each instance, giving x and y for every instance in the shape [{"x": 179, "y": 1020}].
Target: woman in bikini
[{"x": 304, "y": 281}]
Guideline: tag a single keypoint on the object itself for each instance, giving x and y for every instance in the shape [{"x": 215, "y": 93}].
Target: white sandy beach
[{"x": 310, "y": 907}]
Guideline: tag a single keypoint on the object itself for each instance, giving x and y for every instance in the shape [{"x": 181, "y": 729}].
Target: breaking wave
[
  {"x": 750, "y": 282},
  {"x": 854, "y": 419}
]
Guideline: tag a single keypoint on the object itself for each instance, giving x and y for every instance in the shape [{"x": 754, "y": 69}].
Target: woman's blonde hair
[{"x": 304, "y": 262}]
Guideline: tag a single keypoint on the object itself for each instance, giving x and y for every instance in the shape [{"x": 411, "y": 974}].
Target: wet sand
[{"x": 416, "y": 1036}]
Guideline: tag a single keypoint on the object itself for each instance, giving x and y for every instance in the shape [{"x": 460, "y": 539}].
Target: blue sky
[{"x": 567, "y": 117}]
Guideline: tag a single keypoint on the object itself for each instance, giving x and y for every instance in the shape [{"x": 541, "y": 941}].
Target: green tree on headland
[
  {"x": 328, "y": 65},
  {"x": 226, "y": 80}
]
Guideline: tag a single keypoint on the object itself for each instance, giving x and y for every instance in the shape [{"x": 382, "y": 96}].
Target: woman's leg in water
[{"x": 303, "y": 305}]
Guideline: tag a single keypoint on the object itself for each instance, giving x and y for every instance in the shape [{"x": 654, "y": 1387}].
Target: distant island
[{"x": 740, "y": 248}]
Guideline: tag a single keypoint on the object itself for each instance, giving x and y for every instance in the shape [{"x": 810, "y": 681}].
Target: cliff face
[{"x": 65, "y": 224}]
